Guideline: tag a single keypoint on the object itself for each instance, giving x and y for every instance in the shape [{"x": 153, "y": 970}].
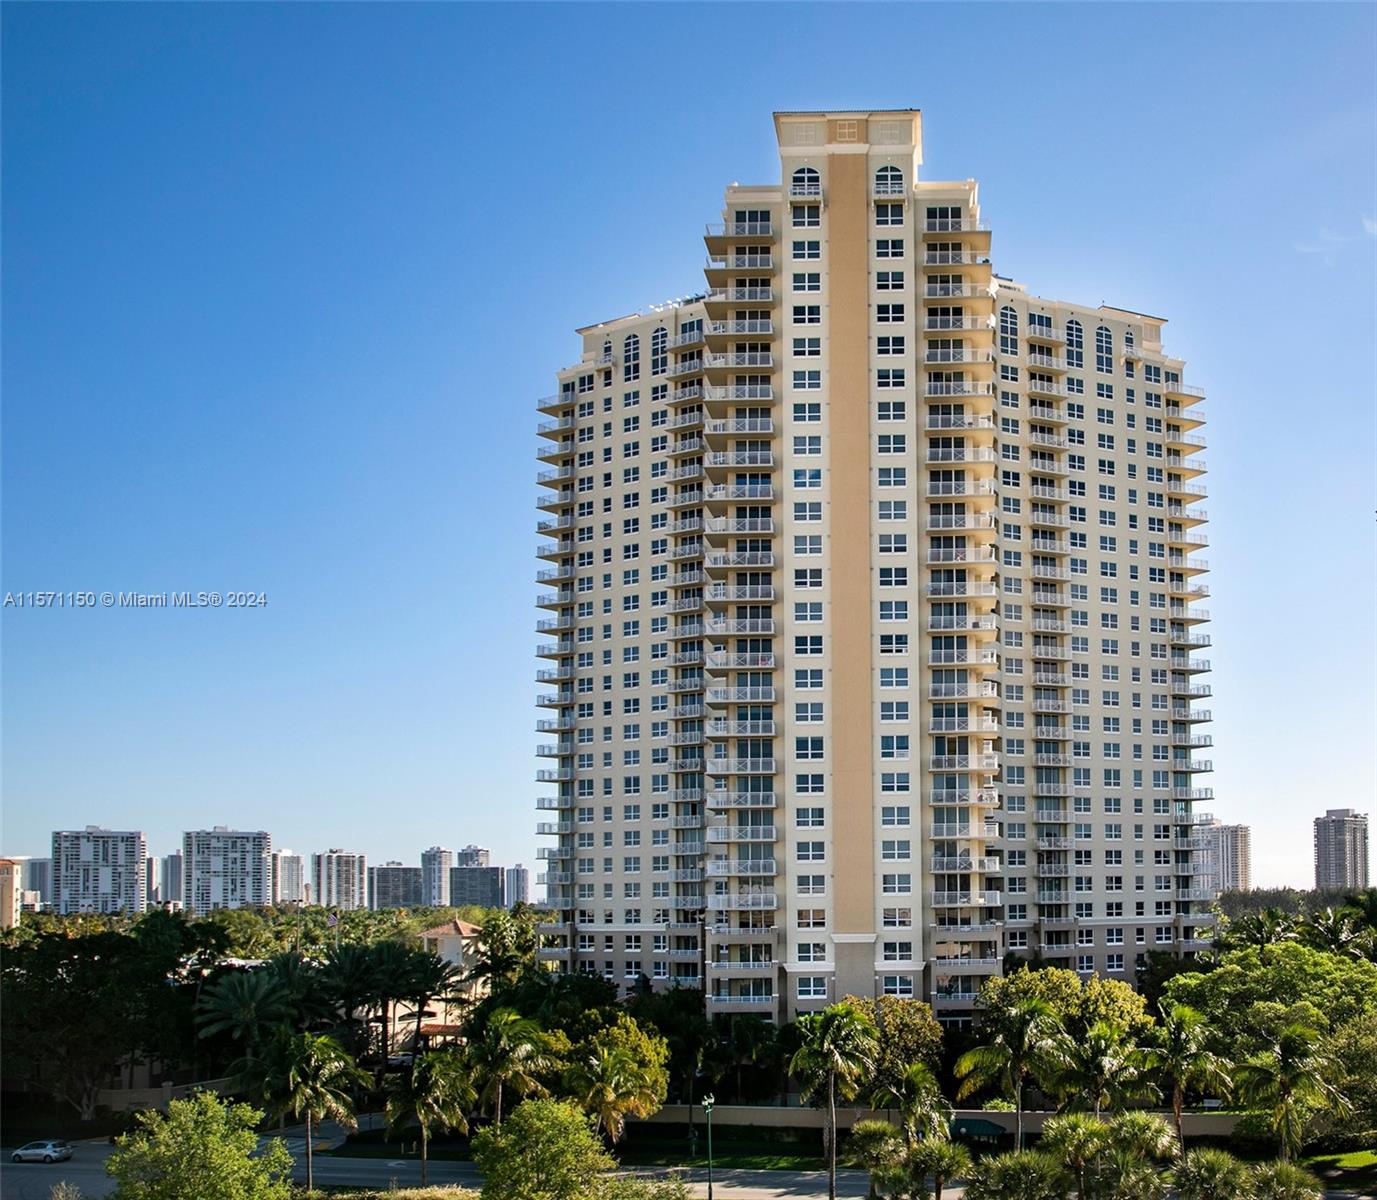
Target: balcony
[
  {"x": 965, "y": 899},
  {"x": 740, "y": 525},
  {"x": 968, "y": 624},
  {"x": 963, "y": 725},
  {"x": 731, "y": 834},
  {"x": 761, "y": 426},
  {"x": 729, "y": 329},
  {"x": 717, "y": 560},
  {"x": 725, "y": 660},
  {"x": 754, "y": 1003},
  {"x": 1045, "y": 334},
  {"x": 962, "y": 691},
  {"x": 957, "y": 387},
  {"x": 741, "y": 868},
  {"x": 969, "y": 554},
  {"x": 945, "y": 421},
  {"x": 739, "y": 295},
  {"x": 726, "y": 592},
  {"x": 1046, "y": 362},
  {"x": 718, "y": 264},
  {"x": 1044, "y": 387},
  {"x": 983, "y": 488},
  {"x": 965, "y": 865},
  {"x": 747, "y": 230},
  {"x": 733, "y": 801},
  {"x": 739, "y": 391},
  {"x": 742, "y": 966},
  {"x": 1190, "y": 715},
  {"x": 740, "y": 695},
  {"x": 960, "y": 762},
  {"x": 555, "y": 803},
  {"x": 968, "y": 323},
  {"x": 728, "y": 492},
  {"x": 740, "y": 766},
  {"x": 959, "y": 966},
  {"x": 743, "y": 902},
  {"x": 940, "y": 225}
]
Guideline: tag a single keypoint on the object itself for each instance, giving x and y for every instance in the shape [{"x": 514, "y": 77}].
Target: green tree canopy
[
  {"x": 201, "y": 1149},
  {"x": 1078, "y": 1004},
  {"x": 906, "y": 1032},
  {"x": 545, "y": 1150},
  {"x": 1340, "y": 989}
]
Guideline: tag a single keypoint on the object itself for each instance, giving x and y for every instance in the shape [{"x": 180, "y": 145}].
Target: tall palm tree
[
  {"x": 1100, "y": 1068},
  {"x": 609, "y": 1084},
  {"x": 1262, "y": 929},
  {"x": 1207, "y": 1174},
  {"x": 390, "y": 977},
  {"x": 506, "y": 1056},
  {"x": 429, "y": 977},
  {"x": 1183, "y": 1058},
  {"x": 1123, "y": 1175},
  {"x": 923, "y": 1111},
  {"x": 942, "y": 1161},
  {"x": 302, "y": 982},
  {"x": 436, "y": 1093},
  {"x": 349, "y": 982},
  {"x": 839, "y": 1045},
  {"x": 1339, "y": 931},
  {"x": 245, "y": 1004},
  {"x": 1026, "y": 1039},
  {"x": 1292, "y": 1079},
  {"x": 320, "y": 1081},
  {"x": 1075, "y": 1140}
]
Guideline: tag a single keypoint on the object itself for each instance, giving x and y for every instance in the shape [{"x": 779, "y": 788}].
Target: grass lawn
[{"x": 1356, "y": 1169}]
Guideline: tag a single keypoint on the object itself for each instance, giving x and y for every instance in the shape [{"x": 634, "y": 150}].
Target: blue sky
[{"x": 281, "y": 284}]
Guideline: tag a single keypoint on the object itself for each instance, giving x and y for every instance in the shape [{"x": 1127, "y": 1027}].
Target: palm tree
[
  {"x": 875, "y": 1147},
  {"x": 923, "y": 1110},
  {"x": 506, "y": 1056},
  {"x": 1185, "y": 1061},
  {"x": 751, "y": 1039},
  {"x": 609, "y": 1084},
  {"x": 1100, "y": 1067},
  {"x": 839, "y": 1045},
  {"x": 1339, "y": 931},
  {"x": 1075, "y": 1140},
  {"x": 1262, "y": 929},
  {"x": 437, "y": 1093},
  {"x": 1026, "y": 1038},
  {"x": 1292, "y": 1078},
  {"x": 348, "y": 979},
  {"x": 942, "y": 1160},
  {"x": 1124, "y": 1175},
  {"x": 429, "y": 977},
  {"x": 302, "y": 983},
  {"x": 320, "y": 1081},
  {"x": 1023, "y": 1175},
  {"x": 1208, "y": 1174},
  {"x": 390, "y": 976},
  {"x": 1144, "y": 1135},
  {"x": 245, "y": 1004},
  {"x": 1284, "y": 1181}
]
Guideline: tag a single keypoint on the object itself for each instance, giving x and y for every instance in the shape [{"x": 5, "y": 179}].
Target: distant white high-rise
[
  {"x": 1228, "y": 850},
  {"x": 170, "y": 879},
  {"x": 152, "y": 882},
  {"x": 1341, "y": 849},
  {"x": 518, "y": 885},
  {"x": 339, "y": 879},
  {"x": 289, "y": 878},
  {"x": 435, "y": 865},
  {"x": 98, "y": 870},
  {"x": 225, "y": 868}
]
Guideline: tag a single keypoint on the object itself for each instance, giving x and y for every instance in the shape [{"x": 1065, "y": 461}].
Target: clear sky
[{"x": 282, "y": 283}]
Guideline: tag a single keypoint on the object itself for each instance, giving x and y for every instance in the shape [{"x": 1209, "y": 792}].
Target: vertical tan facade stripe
[{"x": 848, "y": 259}]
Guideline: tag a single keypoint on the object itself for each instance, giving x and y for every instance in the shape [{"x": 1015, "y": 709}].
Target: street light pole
[{"x": 707, "y": 1110}]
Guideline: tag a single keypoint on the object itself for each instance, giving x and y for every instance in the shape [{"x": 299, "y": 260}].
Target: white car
[{"x": 55, "y": 1150}]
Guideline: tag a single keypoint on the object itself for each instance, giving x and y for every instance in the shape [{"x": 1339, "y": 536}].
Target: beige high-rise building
[
  {"x": 339, "y": 879},
  {"x": 1229, "y": 851},
  {"x": 11, "y": 876},
  {"x": 1341, "y": 849},
  {"x": 871, "y": 590}
]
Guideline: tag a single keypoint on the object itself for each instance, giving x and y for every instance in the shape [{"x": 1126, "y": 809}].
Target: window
[
  {"x": 889, "y": 181},
  {"x": 805, "y": 181},
  {"x": 631, "y": 357}
]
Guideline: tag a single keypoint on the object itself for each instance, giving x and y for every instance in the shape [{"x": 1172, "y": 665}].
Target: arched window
[
  {"x": 659, "y": 351},
  {"x": 1008, "y": 330},
  {"x": 805, "y": 182},
  {"x": 631, "y": 358},
  {"x": 1104, "y": 350},
  {"x": 1075, "y": 344},
  {"x": 606, "y": 355},
  {"x": 889, "y": 181}
]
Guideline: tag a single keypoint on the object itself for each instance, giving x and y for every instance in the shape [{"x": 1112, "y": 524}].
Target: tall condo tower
[{"x": 870, "y": 591}]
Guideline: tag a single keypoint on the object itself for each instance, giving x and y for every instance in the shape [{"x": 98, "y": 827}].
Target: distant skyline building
[
  {"x": 170, "y": 878},
  {"x": 339, "y": 879},
  {"x": 225, "y": 868},
  {"x": 518, "y": 885},
  {"x": 11, "y": 881},
  {"x": 152, "y": 881},
  {"x": 435, "y": 867},
  {"x": 1228, "y": 849},
  {"x": 97, "y": 870},
  {"x": 473, "y": 856},
  {"x": 1341, "y": 849},
  {"x": 289, "y": 878},
  {"x": 394, "y": 885},
  {"x": 485, "y": 886}
]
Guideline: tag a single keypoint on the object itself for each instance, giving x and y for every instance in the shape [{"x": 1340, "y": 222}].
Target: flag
[{"x": 332, "y": 920}]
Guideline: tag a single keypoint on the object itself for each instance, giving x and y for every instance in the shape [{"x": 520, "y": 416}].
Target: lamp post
[{"x": 707, "y": 1111}]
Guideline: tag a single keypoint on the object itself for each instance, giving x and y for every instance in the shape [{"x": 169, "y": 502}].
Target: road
[{"x": 34, "y": 1181}]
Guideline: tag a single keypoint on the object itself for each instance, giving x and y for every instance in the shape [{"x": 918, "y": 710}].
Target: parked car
[{"x": 55, "y": 1150}]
